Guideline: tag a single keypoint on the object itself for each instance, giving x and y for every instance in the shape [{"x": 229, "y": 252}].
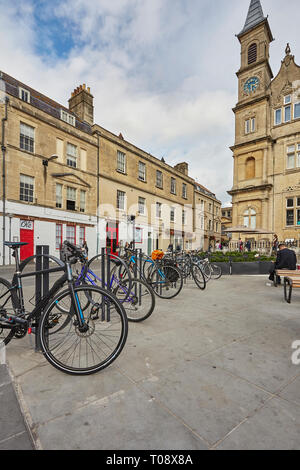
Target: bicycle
[
  {"x": 81, "y": 329},
  {"x": 163, "y": 276},
  {"x": 190, "y": 269},
  {"x": 210, "y": 270},
  {"x": 136, "y": 296}
]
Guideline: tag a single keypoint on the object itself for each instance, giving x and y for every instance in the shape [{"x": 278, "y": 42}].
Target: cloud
[{"x": 162, "y": 72}]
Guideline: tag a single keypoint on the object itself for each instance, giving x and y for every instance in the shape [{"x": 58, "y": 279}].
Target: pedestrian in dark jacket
[{"x": 286, "y": 259}]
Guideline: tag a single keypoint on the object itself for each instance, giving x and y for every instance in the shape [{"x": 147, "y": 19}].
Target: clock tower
[
  {"x": 252, "y": 149},
  {"x": 255, "y": 73}
]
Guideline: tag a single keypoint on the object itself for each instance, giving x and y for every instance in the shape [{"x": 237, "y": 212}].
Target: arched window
[
  {"x": 252, "y": 53},
  {"x": 250, "y": 218},
  {"x": 250, "y": 168}
]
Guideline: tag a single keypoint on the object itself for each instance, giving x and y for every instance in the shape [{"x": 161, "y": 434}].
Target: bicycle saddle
[{"x": 15, "y": 244}]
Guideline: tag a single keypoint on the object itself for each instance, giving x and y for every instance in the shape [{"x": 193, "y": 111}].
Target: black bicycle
[{"x": 81, "y": 329}]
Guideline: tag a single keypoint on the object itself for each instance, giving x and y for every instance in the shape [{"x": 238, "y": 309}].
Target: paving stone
[{"x": 275, "y": 426}]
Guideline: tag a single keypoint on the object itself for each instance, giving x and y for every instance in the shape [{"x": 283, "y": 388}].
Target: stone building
[
  {"x": 207, "y": 218},
  {"x": 66, "y": 177},
  {"x": 266, "y": 152}
]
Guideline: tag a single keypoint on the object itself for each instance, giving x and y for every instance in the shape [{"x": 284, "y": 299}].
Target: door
[
  {"x": 112, "y": 237},
  {"x": 26, "y": 236}
]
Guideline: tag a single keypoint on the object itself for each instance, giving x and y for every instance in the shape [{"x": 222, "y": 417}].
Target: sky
[{"x": 162, "y": 72}]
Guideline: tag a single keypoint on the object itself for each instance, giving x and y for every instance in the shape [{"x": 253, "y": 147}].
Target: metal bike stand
[{"x": 41, "y": 281}]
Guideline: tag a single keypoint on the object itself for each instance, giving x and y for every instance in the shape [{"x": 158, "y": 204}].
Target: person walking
[{"x": 286, "y": 259}]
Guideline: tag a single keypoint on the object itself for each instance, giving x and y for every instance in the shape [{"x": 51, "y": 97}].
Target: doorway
[{"x": 112, "y": 237}]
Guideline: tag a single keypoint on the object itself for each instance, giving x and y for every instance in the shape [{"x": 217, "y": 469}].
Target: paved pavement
[{"x": 208, "y": 370}]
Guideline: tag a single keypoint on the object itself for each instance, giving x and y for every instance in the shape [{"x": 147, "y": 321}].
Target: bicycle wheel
[
  {"x": 198, "y": 276},
  {"x": 205, "y": 268},
  {"x": 78, "y": 352},
  {"x": 8, "y": 302},
  {"x": 137, "y": 300},
  {"x": 216, "y": 271},
  {"x": 166, "y": 281}
]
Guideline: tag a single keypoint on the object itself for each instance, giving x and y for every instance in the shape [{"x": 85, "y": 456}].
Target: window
[
  {"x": 293, "y": 210},
  {"x": 26, "y": 137},
  {"x": 290, "y": 217},
  {"x": 68, "y": 118},
  {"x": 250, "y": 168},
  {"x": 81, "y": 235},
  {"x": 142, "y": 171},
  {"x": 287, "y": 113},
  {"x": 252, "y": 54},
  {"x": 58, "y": 236},
  {"x": 290, "y": 157},
  {"x": 71, "y": 199},
  {"x": 71, "y": 155},
  {"x": 26, "y": 188},
  {"x": 183, "y": 217},
  {"x": 141, "y": 204},
  {"x": 121, "y": 200},
  {"x": 159, "y": 179},
  {"x": 250, "y": 125},
  {"x": 173, "y": 185},
  {"x": 121, "y": 162},
  {"x": 184, "y": 190},
  {"x": 158, "y": 210},
  {"x": 24, "y": 95},
  {"x": 172, "y": 214},
  {"x": 71, "y": 234},
  {"x": 250, "y": 219},
  {"x": 59, "y": 196},
  {"x": 82, "y": 200},
  {"x": 278, "y": 117},
  {"x": 287, "y": 99},
  {"x": 298, "y": 156},
  {"x": 209, "y": 225},
  {"x": 296, "y": 110}
]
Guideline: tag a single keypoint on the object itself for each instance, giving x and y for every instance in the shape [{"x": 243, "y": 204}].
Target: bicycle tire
[
  {"x": 163, "y": 280},
  {"x": 4, "y": 327},
  {"x": 134, "y": 300},
  {"x": 198, "y": 276},
  {"x": 83, "y": 357},
  {"x": 216, "y": 271}
]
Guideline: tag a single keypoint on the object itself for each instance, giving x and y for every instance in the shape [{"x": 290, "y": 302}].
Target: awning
[{"x": 248, "y": 230}]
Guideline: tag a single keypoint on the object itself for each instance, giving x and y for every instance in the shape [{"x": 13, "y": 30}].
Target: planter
[
  {"x": 246, "y": 268},
  {"x": 225, "y": 268},
  {"x": 265, "y": 266}
]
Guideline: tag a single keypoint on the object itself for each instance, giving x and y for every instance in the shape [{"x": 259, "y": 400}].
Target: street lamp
[{"x": 47, "y": 160}]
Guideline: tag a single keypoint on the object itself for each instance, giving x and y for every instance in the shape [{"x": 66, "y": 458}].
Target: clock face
[{"x": 251, "y": 85}]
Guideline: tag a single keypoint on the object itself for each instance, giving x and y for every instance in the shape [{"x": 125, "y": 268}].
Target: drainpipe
[
  {"x": 98, "y": 189},
  {"x": 3, "y": 147}
]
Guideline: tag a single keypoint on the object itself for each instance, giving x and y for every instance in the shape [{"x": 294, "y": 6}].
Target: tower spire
[{"x": 255, "y": 16}]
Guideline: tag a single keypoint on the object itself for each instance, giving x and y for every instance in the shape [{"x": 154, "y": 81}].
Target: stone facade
[
  {"x": 266, "y": 191},
  {"x": 69, "y": 178}
]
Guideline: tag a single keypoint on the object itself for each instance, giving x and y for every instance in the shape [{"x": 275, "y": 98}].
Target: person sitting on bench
[{"x": 286, "y": 259}]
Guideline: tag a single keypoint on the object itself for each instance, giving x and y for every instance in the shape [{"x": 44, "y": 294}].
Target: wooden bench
[
  {"x": 290, "y": 283},
  {"x": 284, "y": 273}
]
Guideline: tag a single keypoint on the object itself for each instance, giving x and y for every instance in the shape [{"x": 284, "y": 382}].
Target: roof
[
  {"x": 42, "y": 102},
  {"x": 255, "y": 16}
]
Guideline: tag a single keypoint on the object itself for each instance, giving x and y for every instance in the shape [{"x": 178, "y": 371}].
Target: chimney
[
  {"x": 81, "y": 103},
  {"x": 183, "y": 168}
]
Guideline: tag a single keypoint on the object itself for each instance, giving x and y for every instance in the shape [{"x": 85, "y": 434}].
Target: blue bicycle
[
  {"x": 135, "y": 295},
  {"x": 164, "y": 278}
]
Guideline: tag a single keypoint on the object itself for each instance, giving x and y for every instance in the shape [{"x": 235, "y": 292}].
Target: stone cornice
[{"x": 262, "y": 187}]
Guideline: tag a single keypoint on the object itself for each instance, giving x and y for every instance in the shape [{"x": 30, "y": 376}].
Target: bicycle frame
[{"x": 113, "y": 278}]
